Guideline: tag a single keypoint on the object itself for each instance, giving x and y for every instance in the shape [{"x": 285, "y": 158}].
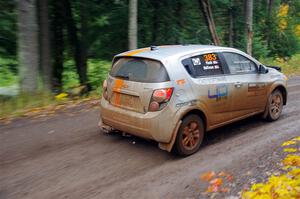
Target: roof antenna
[{"x": 153, "y": 48}]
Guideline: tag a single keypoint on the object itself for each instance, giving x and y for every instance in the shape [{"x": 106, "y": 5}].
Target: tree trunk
[
  {"x": 249, "y": 24},
  {"x": 268, "y": 20},
  {"x": 230, "y": 34},
  {"x": 269, "y": 7},
  {"x": 207, "y": 12},
  {"x": 83, "y": 40},
  {"x": 79, "y": 55},
  {"x": 44, "y": 38},
  {"x": 132, "y": 24},
  {"x": 58, "y": 45},
  {"x": 28, "y": 45},
  {"x": 155, "y": 20}
]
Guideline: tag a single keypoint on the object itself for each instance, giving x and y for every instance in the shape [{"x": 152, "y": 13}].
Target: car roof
[{"x": 165, "y": 52}]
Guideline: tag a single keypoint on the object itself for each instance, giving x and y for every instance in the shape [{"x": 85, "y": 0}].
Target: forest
[{"x": 54, "y": 46}]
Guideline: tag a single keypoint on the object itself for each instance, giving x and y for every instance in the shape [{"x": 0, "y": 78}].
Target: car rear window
[{"x": 139, "y": 70}]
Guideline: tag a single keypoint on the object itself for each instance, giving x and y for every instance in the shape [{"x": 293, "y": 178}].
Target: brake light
[
  {"x": 160, "y": 98},
  {"x": 104, "y": 89}
]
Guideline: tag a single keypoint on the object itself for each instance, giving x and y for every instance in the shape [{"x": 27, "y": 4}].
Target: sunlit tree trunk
[
  {"x": 132, "y": 24},
  {"x": 28, "y": 45},
  {"x": 44, "y": 38},
  {"x": 249, "y": 25},
  {"x": 207, "y": 12}
]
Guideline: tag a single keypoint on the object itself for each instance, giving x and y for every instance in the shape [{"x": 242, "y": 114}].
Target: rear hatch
[{"x": 132, "y": 81}]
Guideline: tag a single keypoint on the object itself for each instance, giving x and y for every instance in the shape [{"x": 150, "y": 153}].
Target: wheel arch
[
  {"x": 283, "y": 90},
  {"x": 197, "y": 112},
  {"x": 194, "y": 110}
]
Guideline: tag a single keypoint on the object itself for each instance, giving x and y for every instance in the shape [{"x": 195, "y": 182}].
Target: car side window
[
  {"x": 239, "y": 64},
  {"x": 204, "y": 65}
]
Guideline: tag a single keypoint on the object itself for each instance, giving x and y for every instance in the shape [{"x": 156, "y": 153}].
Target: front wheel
[
  {"x": 189, "y": 136},
  {"x": 275, "y": 105}
]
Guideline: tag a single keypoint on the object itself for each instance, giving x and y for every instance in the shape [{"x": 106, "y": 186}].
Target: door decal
[
  {"x": 219, "y": 92},
  {"x": 255, "y": 89}
]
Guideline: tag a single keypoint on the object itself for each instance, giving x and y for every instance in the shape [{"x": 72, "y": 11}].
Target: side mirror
[
  {"x": 276, "y": 67},
  {"x": 262, "y": 69}
]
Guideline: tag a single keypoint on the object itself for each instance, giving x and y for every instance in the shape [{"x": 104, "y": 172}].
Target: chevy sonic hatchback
[{"x": 174, "y": 94}]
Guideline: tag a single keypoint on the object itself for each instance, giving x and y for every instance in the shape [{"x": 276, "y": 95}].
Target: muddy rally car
[{"x": 175, "y": 94}]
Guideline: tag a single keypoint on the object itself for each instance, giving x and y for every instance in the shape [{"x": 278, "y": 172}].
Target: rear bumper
[{"x": 157, "y": 126}]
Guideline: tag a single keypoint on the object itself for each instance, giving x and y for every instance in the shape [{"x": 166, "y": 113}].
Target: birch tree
[
  {"x": 132, "y": 24},
  {"x": 249, "y": 25},
  {"x": 28, "y": 45}
]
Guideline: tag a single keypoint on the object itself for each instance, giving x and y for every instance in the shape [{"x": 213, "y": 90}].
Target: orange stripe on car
[
  {"x": 134, "y": 52},
  {"x": 117, "y": 87}
]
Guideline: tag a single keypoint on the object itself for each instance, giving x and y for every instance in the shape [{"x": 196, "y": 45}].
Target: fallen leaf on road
[
  {"x": 279, "y": 187},
  {"x": 291, "y": 160},
  {"x": 295, "y": 173},
  {"x": 287, "y": 143},
  {"x": 290, "y": 150},
  {"x": 222, "y": 174},
  {"x": 296, "y": 139},
  {"x": 207, "y": 176},
  {"x": 228, "y": 176},
  {"x": 216, "y": 181},
  {"x": 225, "y": 190},
  {"x": 215, "y": 185}
]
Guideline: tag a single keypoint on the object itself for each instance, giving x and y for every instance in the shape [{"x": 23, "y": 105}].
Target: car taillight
[
  {"x": 104, "y": 89},
  {"x": 160, "y": 98}
]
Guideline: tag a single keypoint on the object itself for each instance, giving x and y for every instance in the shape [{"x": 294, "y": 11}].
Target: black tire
[
  {"x": 274, "y": 106},
  {"x": 190, "y": 132}
]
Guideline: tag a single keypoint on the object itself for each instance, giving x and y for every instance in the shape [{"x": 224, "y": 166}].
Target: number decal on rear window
[{"x": 204, "y": 65}]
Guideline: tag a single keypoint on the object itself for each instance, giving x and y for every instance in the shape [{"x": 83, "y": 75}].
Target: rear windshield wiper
[{"x": 123, "y": 76}]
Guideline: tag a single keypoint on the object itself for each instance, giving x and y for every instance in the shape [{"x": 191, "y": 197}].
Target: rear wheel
[
  {"x": 275, "y": 104},
  {"x": 189, "y": 136}
]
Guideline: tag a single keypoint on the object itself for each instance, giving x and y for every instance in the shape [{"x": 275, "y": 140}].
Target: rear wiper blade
[{"x": 123, "y": 76}]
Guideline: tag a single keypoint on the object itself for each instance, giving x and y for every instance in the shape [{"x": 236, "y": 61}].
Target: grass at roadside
[
  {"x": 13, "y": 106},
  {"x": 289, "y": 67},
  {"x": 16, "y": 105},
  {"x": 40, "y": 104}
]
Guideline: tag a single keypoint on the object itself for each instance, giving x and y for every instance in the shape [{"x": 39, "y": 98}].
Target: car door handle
[{"x": 238, "y": 84}]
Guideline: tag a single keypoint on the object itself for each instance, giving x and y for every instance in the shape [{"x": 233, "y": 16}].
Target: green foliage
[
  {"x": 8, "y": 75},
  {"x": 260, "y": 48},
  {"x": 8, "y": 28},
  {"x": 16, "y": 105},
  {"x": 70, "y": 77},
  {"x": 291, "y": 66},
  {"x": 97, "y": 72}
]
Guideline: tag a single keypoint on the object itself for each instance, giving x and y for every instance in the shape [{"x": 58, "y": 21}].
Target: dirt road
[{"x": 67, "y": 157}]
